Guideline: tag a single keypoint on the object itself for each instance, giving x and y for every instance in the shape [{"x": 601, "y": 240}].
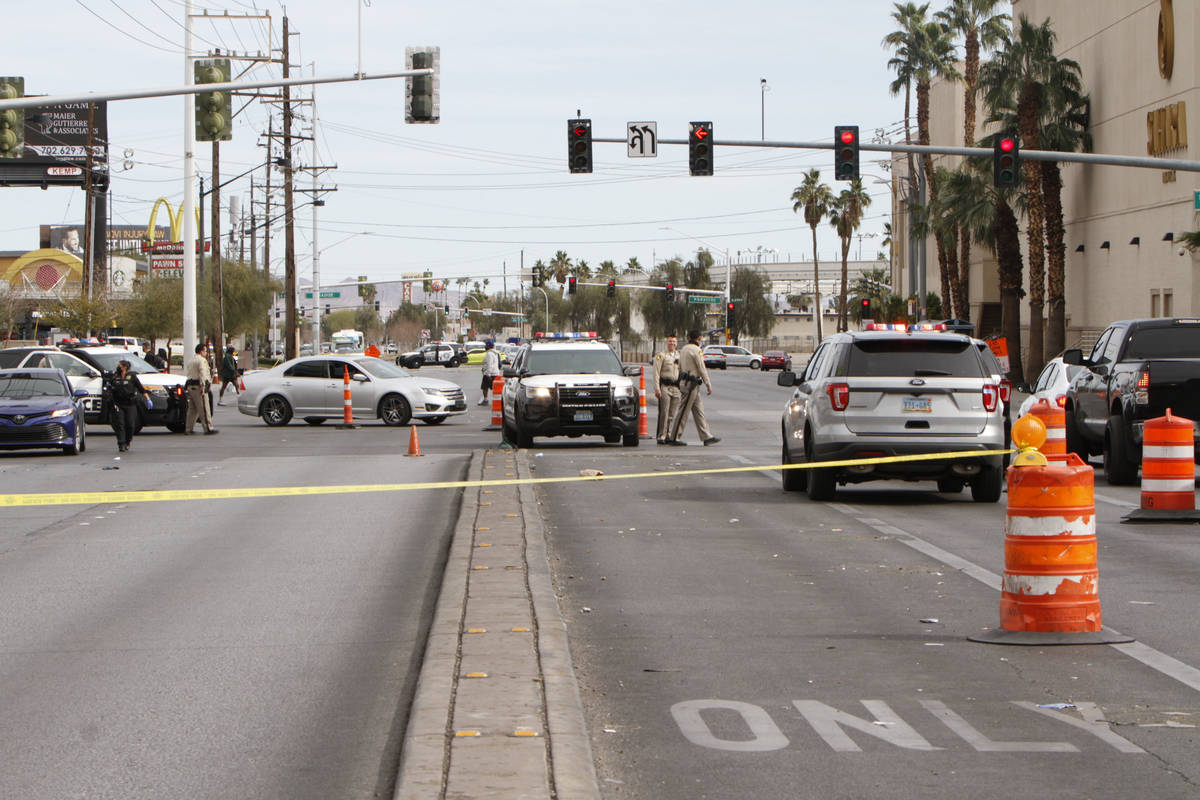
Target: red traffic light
[
  {"x": 579, "y": 130},
  {"x": 729, "y": 306},
  {"x": 1007, "y": 145},
  {"x": 847, "y": 137},
  {"x": 866, "y": 303}
]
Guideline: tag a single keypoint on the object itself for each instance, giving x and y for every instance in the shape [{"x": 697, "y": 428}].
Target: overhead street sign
[
  {"x": 704, "y": 298},
  {"x": 643, "y": 139}
]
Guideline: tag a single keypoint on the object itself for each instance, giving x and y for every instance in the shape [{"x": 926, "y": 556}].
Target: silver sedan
[{"x": 313, "y": 388}]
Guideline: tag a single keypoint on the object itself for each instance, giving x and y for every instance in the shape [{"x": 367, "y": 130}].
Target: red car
[{"x": 776, "y": 359}]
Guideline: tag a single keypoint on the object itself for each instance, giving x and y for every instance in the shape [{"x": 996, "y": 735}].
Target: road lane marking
[
  {"x": 165, "y": 495},
  {"x": 982, "y": 744},
  {"x": 828, "y": 722}
]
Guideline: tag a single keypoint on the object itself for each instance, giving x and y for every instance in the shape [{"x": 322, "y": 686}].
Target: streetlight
[
  {"x": 728, "y": 276},
  {"x": 763, "y": 89},
  {"x": 316, "y": 322}
]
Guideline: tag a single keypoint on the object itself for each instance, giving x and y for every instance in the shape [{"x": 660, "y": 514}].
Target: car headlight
[
  {"x": 537, "y": 392},
  {"x": 61, "y": 412},
  {"x": 625, "y": 392}
]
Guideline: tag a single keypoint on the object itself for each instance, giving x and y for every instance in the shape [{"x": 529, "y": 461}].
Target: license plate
[
  {"x": 918, "y": 404},
  {"x": 583, "y": 416}
]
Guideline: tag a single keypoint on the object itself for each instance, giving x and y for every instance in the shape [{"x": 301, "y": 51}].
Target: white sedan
[
  {"x": 1051, "y": 385},
  {"x": 313, "y": 388}
]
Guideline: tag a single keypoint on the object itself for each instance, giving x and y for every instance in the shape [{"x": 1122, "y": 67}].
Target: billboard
[
  {"x": 56, "y": 147},
  {"x": 68, "y": 238}
]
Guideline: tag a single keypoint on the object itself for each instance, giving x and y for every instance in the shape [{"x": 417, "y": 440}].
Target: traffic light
[
  {"x": 1006, "y": 158},
  {"x": 579, "y": 145},
  {"x": 571, "y": 285},
  {"x": 421, "y": 92},
  {"x": 12, "y": 120},
  {"x": 214, "y": 110},
  {"x": 730, "y": 315},
  {"x": 538, "y": 280},
  {"x": 700, "y": 154},
  {"x": 845, "y": 152},
  {"x": 446, "y": 308},
  {"x": 376, "y": 306},
  {"x": 669, "y": 293},
  {"x": 611, "y": 291}
]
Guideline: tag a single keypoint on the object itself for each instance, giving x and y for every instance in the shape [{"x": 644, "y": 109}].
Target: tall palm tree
[
  {"x": 924, "y": 51},
  {"x": 814, "y": 199},
  {"x": 560, "y": 266},
  {"x": 904, "y": 14},
  {"x": 632, "y": 265},
  {"x": 1016, "y": 78},
  {"x": 978, "y": 25},
  {"x": 845, "y": 216},
  {"x": 987, "y": 212}
]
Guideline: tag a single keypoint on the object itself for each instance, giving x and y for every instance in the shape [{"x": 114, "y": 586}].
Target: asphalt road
[
  {"x": 263, "y": 648},
  {"x": 732, "y": 640}
]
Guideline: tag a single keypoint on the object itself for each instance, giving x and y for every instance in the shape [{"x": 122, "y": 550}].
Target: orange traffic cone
[
  {"x": 414, "y": 446},
  {"x": 643, "y": 419}
]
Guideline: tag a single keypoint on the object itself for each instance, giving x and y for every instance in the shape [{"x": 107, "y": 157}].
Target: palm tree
[
  {"x": 902, "y": 63},
  {"x": 814, "y": 198},
  {"x": 632, "y": 265},
  {"x": 987, "y": 212},
  {"x": 845, "y": 216},
  {"x": 975, "y": 21},
  {"x": 560, "y": 266},
  {"x": 1016, "y": 79},
  {"x": 924, "y": 51}
]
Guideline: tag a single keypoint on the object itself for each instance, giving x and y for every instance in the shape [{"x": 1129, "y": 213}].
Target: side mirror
[
  {"x": 1074, "y": 357},
  {"x": 79, "y": 393},
  {"x": 786, "y": 378},
  {"x": 358, "y": 376},
  {"x": 509, "y": 372},
  {"x": 632, "y": 370}
]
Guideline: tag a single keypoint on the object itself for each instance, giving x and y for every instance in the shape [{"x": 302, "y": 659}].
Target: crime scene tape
[{"x": 175, "y": 495}]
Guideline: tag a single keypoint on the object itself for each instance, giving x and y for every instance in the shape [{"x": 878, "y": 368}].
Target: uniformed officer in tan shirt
[
  {"x": 199, "y": 378},
  {"x": 666, "y": 386},
  {"x": 692, "y": 374}
]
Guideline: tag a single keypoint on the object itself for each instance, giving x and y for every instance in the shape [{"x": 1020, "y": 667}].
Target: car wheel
[
  {"x": 524, "y": 440},
  {"x": 76, "y": 445},
  {"x": 1119, "y": 467},
  {"x": 452, "y": 363},
  {"x": 950, "y": 485},
  {"x": 987, "y": 485},
  {"x": 314, "y": 420},
  {"x": 176, "y": 427},
  {"x": 507, "y": 433},
  {"x": 755, "y": 364},
  {"x": 275, "y": 411},
  {"x": 394, "y": 410},
  {"x": 630, "y": 440},
  {"x": 794, "y": 480},
  {"x": 612, "y": 438},
  {"x": 1074, "y": 438},
  {"x": 434, "y": 420}
]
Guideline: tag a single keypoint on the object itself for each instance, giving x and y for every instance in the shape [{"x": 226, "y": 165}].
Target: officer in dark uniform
[{"x": 125, "y": 390}]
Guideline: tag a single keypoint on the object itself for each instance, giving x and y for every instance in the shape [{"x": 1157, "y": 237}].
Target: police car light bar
[{"x": 565, "y": 335}]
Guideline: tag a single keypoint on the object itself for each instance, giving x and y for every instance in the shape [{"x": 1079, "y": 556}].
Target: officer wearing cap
[
  {"x": 692, "y": 375},
  {"x": 666, "y": 386}
]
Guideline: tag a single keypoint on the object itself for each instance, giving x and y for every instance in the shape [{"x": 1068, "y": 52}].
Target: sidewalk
[{"x": 497, "y": 711}]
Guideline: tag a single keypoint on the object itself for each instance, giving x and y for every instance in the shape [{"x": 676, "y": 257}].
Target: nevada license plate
[
  {"x": 922, "y": 404},
  {"x": 583, "y": 416}
]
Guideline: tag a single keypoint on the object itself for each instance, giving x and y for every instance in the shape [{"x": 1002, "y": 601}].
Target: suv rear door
[{"x": 913, "y": 386}]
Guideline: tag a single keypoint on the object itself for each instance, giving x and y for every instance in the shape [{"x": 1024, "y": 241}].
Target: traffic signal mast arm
[{"x": 973, "y": 152}]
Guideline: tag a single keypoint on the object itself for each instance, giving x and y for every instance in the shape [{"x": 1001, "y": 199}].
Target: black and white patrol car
[{"x": 569, "y": 385}]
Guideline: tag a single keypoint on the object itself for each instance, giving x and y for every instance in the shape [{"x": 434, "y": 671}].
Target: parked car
[
  {"x": 448, "y": 354},
  {"x": 737, "y": 356},
  {"x": 892, "y": 393},
  {"x": 312, "y": 387},
  {"x": 1136, "y": 371},
  {"x": 714, "y": 357},
  {"x": 39, "y": 408},
  {"x": 80, "y": 374},
  {"x": 168, "y": 403},
  {"x": 776, "y": 359},
  {"x": 475, "y": 356},
  {"x": 1051, "y": 385}
]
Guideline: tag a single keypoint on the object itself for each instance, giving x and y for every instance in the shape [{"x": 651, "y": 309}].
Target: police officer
[
  {"x": 666, "y": 386},
  {"x": 692, "y": 374},
  {"x": 125, "y": 390},
  {"x": 199, "y": 379}
]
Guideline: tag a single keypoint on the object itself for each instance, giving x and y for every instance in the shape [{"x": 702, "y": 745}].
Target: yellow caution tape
[{"x": 173, "y": 495}]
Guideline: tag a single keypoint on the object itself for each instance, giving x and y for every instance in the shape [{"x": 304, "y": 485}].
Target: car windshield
[
  {"x": 108, "y": 362},
  {"x": 10, "y": 358},
  {"x": 23, "y": 385},
  {"x": 1177, "y": 341},
  {"x": 598, "y": 361},
  {"x": 382, "y": 369},
  {"x": 914, "y": 357}
]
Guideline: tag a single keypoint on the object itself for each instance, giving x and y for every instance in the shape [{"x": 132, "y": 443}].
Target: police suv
[{"x": 569, "y": 384}]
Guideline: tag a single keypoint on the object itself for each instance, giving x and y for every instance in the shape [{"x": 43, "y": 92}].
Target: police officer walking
[
  {"x": 692, "y": 374},
  {"x": 125, "y": 390},
  {"x": 199, "y": 378},
  {"x": 666, "y": 386}
]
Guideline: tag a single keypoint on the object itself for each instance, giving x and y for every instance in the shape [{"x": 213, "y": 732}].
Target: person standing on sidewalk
[
  {"x": 199, "y": 378},
  {"x": 229, "y": 374},
  {"x": 692, "y": 374},
  {"x": 666, "y": 386},
  {"x": 491, "y": 369},
  {"x": 126, "y": 391}
]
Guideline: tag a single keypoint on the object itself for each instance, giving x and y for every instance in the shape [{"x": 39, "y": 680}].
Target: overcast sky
[{"x": 470, "y": 194}]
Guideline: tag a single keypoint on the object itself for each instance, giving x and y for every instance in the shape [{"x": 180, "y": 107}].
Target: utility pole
[
  {"x": 289, "y": 229},
  {"x": 218, "y": 333}
]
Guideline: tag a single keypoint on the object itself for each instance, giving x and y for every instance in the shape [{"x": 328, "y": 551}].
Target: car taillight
[
  {"x": 991, "y": 395},
  {"x": 839, "y": 395},
  {"x": 1005, "y": 391},
  {"x": 1141, "y": 391},
  {"x": 1061, "y": 400}
]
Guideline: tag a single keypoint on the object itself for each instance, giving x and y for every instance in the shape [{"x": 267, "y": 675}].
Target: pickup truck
[{"x": 1136, "y": 371}]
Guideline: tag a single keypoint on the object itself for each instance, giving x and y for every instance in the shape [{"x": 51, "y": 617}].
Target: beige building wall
[{"x": 1116, "y": 43}]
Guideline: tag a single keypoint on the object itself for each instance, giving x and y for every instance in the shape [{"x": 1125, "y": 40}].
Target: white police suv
[{"x": 569, "y": 384}]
